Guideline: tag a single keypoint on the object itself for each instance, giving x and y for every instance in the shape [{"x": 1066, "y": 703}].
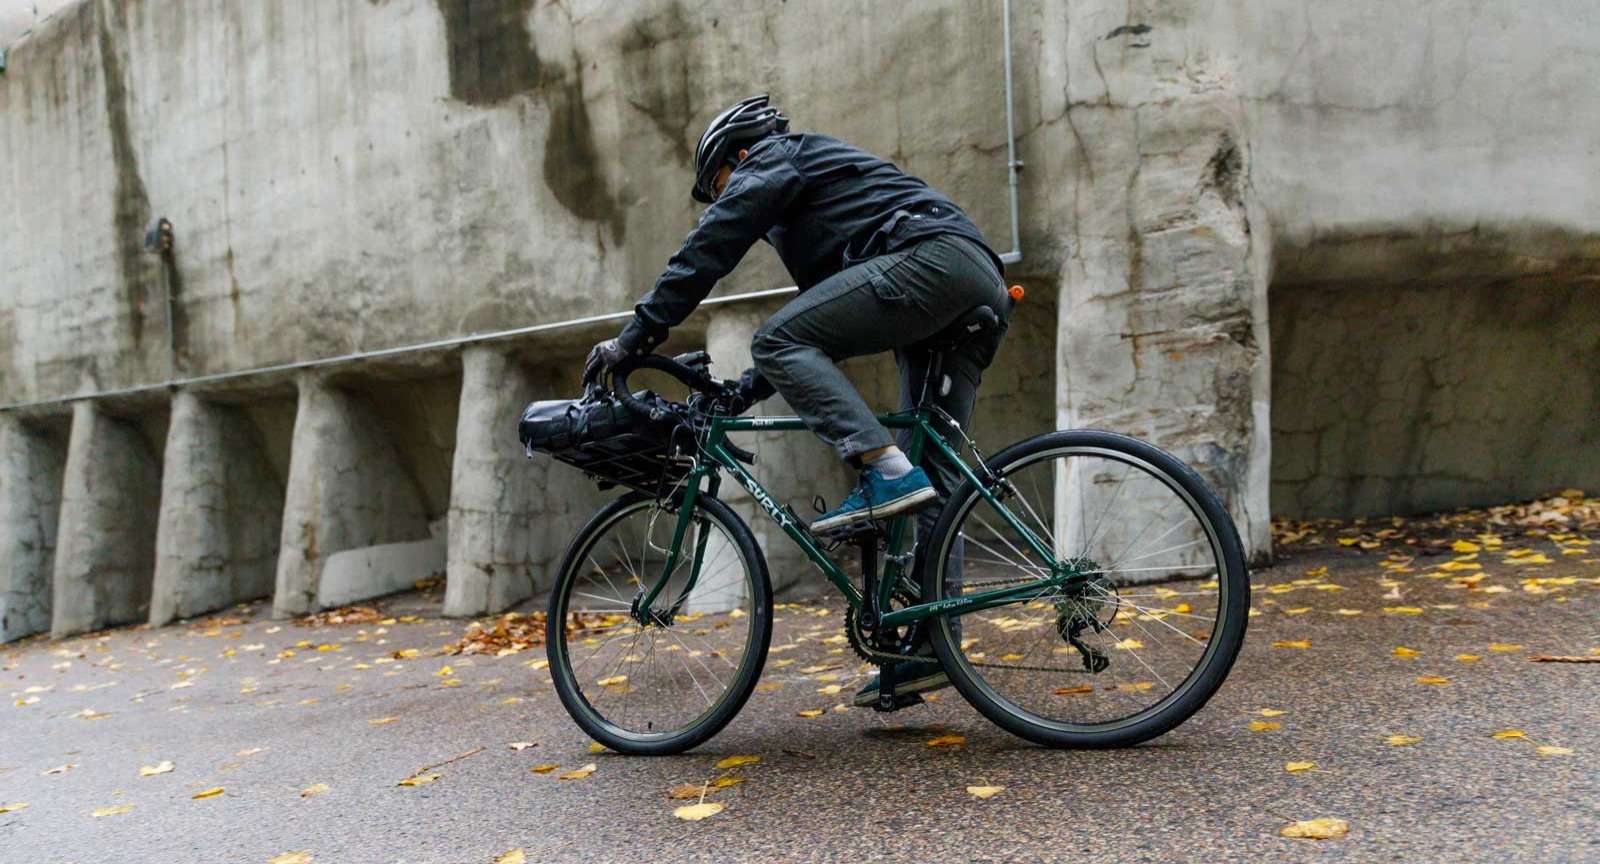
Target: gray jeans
[{"x": 889, "y": 303}]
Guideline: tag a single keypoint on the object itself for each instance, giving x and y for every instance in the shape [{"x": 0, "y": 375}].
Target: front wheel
[
  {"x": 669, "y": 686},
  {"x": 1132, "y": 647}
]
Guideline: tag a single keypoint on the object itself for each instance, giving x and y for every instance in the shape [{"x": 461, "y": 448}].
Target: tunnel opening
[{"x": 1427, "y": 396}]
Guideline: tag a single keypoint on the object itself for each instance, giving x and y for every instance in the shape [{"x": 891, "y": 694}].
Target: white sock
[{"x": 892, "y": 465}]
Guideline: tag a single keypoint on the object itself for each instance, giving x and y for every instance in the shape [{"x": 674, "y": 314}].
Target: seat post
[{"x": 934, "y": 373}]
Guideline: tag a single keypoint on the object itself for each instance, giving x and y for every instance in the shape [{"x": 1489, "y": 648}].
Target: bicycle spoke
[{"x": 1018, "y": 649}]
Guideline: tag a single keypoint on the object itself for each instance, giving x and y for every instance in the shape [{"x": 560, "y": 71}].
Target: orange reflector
[{"x": 1016, "y": 293}]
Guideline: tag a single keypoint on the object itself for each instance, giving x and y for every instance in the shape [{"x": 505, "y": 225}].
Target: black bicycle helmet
[{"x": 750, "y": 120}]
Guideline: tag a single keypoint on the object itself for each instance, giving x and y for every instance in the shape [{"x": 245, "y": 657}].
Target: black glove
[
  {"x": 602, "y": 357},
  {"x": 752, "y": 388},
  {"x": 636, "y": 338}
]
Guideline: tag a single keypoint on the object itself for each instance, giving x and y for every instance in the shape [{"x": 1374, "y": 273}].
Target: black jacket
[{"x": 822, "y": 204}]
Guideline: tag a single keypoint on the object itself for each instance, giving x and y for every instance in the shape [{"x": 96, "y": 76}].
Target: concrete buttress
[
  {"x": 106, "y": 547},
  {"x": 221, "y": 507},
  {"x": 347, "y": 490},
  {"x": 492, "y": 495}
]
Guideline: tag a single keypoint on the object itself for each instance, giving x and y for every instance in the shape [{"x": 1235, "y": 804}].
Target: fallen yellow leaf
[
  {"x": 1464, "y": 546},
  {"x": 1509, "y": 733},
  {"x": 578, "y": 773},
  {"x": 301, "y": 857},
  {"x": 1435, "y": 680},
  {"x": 546, "y": 768},
  {"x": 1264, "y": 725},
  {"x": 985, "y": 791},
  {"x": 1503, "y": 648},
  {"x": 1347, "y": 611},
  {"x": 445, "y": 671},
  {"x": 947, "y": 741},
  {"x": 1551, "y": 750},
  {"x": 313, "y": 790},
  {"x": 382, "y": 721},
  {"x": 1468, "y": 658},
  {"x": 829, "y": 690},
  {"x": 1401, "y": 740},
  {"x": 163, "y": 767},
  {"x": 1129, "y": 644},
  {"x": 1079, "y": 690},
  {"x": 810, "y": 712},
  {"x": 1292, "y": 643},
  {"x": 418, "y": 780},
  {"x": 1271, "y": 712},
  {"x": 1297, "y": 767},
  {"x": 725, "y": 781},
  {"x": 513, "y": 856},
  {"x": 111, "y": 811},
  {"x": 1403, "y": 610},
  {"x": 1317, "y": 829},
  {"x": 1403, "y": 651},
  {"x": 596, "y": 747},
  {"x": 213, "y": 792},
  {"x": 1297, "y": 611},
  {"x": 736, "y": 761},
  {"x": 13, "y": 807},
  {"x": 687, "y": 791},
  {"x": 612, "y": 681},
  {"x": 696, "y": 812}
]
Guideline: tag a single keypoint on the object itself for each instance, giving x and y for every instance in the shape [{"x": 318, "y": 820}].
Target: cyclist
[{"x": 883, "y": 261}]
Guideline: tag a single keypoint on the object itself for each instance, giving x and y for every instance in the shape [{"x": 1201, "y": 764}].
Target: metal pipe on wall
[{"x": 1013, "y": 167}]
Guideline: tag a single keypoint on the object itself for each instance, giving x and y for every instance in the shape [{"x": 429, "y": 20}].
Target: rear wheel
[
  {"x": 671, "y": 685},
  {"x": 1127, "y": 653}
]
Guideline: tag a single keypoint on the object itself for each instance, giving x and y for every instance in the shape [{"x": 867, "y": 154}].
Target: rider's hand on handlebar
[{"x": 601, "y": 358}]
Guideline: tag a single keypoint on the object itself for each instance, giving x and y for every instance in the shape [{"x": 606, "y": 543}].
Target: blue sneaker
[{"x": 877, "y": 497}]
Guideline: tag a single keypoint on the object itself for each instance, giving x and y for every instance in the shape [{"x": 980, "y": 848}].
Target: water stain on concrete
[
  {"x": 572, "y": 167},
  {"x": 492, "y": 58},
  {"x": 656, "y": 76},
  {"x": 492, "y": 55},
  {"x": 131, "y": 209}
]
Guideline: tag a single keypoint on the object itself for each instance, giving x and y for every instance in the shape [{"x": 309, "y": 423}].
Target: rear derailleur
[{"x": 1092, "y": 609}]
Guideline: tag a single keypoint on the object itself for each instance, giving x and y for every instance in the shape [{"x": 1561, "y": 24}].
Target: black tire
[
  {"x": 743, "y": 682},
  {"x": 1226, "y": 636}
]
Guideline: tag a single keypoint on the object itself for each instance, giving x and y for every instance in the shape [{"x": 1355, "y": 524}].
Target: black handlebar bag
[{"x": 612, "y": 444}]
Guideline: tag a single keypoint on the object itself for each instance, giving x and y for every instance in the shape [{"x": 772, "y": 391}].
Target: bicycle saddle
[{"x": 973, "y": 322}]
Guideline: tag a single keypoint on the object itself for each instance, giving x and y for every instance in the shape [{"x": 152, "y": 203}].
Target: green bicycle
[{"x": 1080, "y": 588}]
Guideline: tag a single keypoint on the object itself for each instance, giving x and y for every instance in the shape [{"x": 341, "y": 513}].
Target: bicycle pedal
[
  {"x": 853, "y": 533},
  {"x": 900, "y": 700}
]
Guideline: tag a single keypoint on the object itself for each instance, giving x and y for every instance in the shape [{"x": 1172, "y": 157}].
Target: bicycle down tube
[{"x": 921, "y": 432}]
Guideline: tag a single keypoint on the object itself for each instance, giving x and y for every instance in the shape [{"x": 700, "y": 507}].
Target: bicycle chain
[{"x": 874, "y": 656}]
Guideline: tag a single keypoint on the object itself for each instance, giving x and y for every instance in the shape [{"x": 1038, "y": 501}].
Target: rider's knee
[{"x": 765, "y": 346}]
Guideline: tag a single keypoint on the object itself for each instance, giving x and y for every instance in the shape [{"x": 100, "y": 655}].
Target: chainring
[{"x": 860, "y": 643}]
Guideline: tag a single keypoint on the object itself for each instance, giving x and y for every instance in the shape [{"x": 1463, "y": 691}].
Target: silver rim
[
  {"x": 1162, "y": 591},
  {"x": 653, "y": 683}
]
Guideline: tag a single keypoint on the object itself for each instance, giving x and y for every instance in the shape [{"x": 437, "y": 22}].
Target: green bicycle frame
[{"x": 1062, "y": 574}]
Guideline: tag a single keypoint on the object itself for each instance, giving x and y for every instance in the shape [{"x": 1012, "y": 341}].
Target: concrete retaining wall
[{"x": 354, "y": 176}]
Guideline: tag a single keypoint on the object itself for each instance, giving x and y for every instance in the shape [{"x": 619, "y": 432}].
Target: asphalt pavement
[{"x": 307, "y": 730}]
